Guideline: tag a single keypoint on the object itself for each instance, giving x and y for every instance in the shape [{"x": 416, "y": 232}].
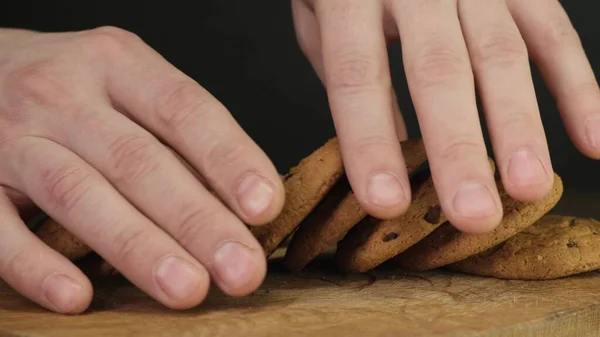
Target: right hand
[{"x": 81, "y": 116}]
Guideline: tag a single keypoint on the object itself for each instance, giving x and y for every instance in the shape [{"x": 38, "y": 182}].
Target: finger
[
  {"x": 26, "y": 208},
  {"x": 185, "y": 116},
  {"x": 556, "y": 48},
  {"x": 359, "y": 89},
  {"x": 501, "y": 66},
  {"x": 80, "y": 199},
  {"x": 441, "y": 84},
  {"x": 36, "y": 271},
  {"x": 152, "y": 179},
  {"x": 309, "y": 37}
]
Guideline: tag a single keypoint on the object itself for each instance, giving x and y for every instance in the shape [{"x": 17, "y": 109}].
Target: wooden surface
[{"x": 321, "y": 302}]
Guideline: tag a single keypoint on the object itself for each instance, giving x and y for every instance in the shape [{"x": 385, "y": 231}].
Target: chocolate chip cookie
[
  {"x": 337, "y": 214},
  {"x": 305, "y": 186},
  {"x": 447, "y": 245},
  {"x": 373, "y": 241},
  {"x": 555, "y": 246}
]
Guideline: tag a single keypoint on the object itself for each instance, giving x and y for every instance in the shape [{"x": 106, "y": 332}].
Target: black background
[{"x": 245, "y": 53}]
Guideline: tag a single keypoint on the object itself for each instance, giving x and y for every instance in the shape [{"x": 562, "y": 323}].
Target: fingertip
[
  {"x": 478, "y": 225},
  {"x": 239, "y": 269},
  {"x": 475, "y": 208},
  {"x": 387, "y": 195},
  {"x": 66, "y": 294},
  {"x": 183, "y": 284},
  {"x": 260, "y": 199},
  {"x": 527, "y": 177}
]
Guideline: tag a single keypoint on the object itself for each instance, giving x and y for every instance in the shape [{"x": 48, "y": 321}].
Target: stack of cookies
[{"x": 321, "y": 212}]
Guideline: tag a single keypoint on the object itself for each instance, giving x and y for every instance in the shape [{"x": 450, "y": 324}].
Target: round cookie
[
  {"x": 555, "y": 246},
  {"x": 305, "y": 186},
  {"x": 372, "y": 241},
  {"x": 447, "y": 245},
  {"x": 61, "y": 240},
  {"x": 337, "y": 214}
]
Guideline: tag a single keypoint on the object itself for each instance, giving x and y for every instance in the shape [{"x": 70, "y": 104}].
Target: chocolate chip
[
  {"x": 390, "y": 237},
  {"x": 433, "y": 215},
  {"x": 572, "y": 244}
]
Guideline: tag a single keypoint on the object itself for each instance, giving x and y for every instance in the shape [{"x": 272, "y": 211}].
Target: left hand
[{"x": 446, "y": 46}]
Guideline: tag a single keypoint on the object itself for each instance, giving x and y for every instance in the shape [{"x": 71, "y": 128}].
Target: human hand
[
  {"x": 446, "y": 46},
  {"x": 83, "y": 120}
]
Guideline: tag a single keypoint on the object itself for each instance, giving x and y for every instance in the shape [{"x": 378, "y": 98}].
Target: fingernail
[
  {"x": 593, "y": 131},
  {"x": 385, "y": 190},
  {"x": 254, "y": 195},
  {"x": 179, "y": 279},
  {"x": 525, "y": 168},
  {"x": 61, "y": 292},
  {"x": 474, "y": 200},
  {"x": 234, "y": 264}
]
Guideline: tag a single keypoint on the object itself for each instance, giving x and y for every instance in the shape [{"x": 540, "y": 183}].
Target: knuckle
[
  {"x": 501, "y": 48},
  {"x": 192, "y": 222},
  {"x": 40, "y": 84},
  {"x": 65, "y": 186},
  {"x": 111, "y": 41},
  {"x": 132, "y": 158},
  {"x": 460, "y": 147},
  {"x": 183, "y": 101},
  {"x": 370, "y": 145},
  {"x": 518, "y": 121},
  {"x": 223, "y": 155},
  {"x": 18, "y": 264},
  {"x": 128, "y": 245},
  {"x": 355, "y": 71},
  {"x": 559, "y": 34},
  {"x": 438, "y": 65}
]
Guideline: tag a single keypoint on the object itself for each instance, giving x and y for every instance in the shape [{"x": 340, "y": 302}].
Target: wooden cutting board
[{"x": 320, "y": 302}]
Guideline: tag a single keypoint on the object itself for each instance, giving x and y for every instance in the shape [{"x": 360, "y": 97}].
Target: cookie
[
  {"x": 58, "y": 238},
  {"x": 337, "y": 214},
  {"x": 305, "y": 186},
  {"x": 373, "y": 241},
  {"x": 447, "y": 245},
  {"x": 554, "y": 247}
]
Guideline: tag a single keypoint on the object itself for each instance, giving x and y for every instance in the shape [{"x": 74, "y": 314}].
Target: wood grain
[{"x": 319, "y": 302}]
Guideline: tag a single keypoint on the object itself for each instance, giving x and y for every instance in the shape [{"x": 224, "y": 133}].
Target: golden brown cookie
[
  {"x": 555, "y": 246},
  {"x": 373, "y": 241},
  {"x": 58, "y": 238},
  {"x": 337, "y": 214},
  {"x": 305, "y": 186},
  {"x": 447, "y": 245}
]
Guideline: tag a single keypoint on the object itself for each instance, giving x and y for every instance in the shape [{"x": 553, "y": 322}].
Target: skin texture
[
  {"x": 451, "y": 50},
  {"x": 89, "y": 124}
]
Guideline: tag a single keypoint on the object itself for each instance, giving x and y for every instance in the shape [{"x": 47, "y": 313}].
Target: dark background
[{"x": 245, "y": 53}]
